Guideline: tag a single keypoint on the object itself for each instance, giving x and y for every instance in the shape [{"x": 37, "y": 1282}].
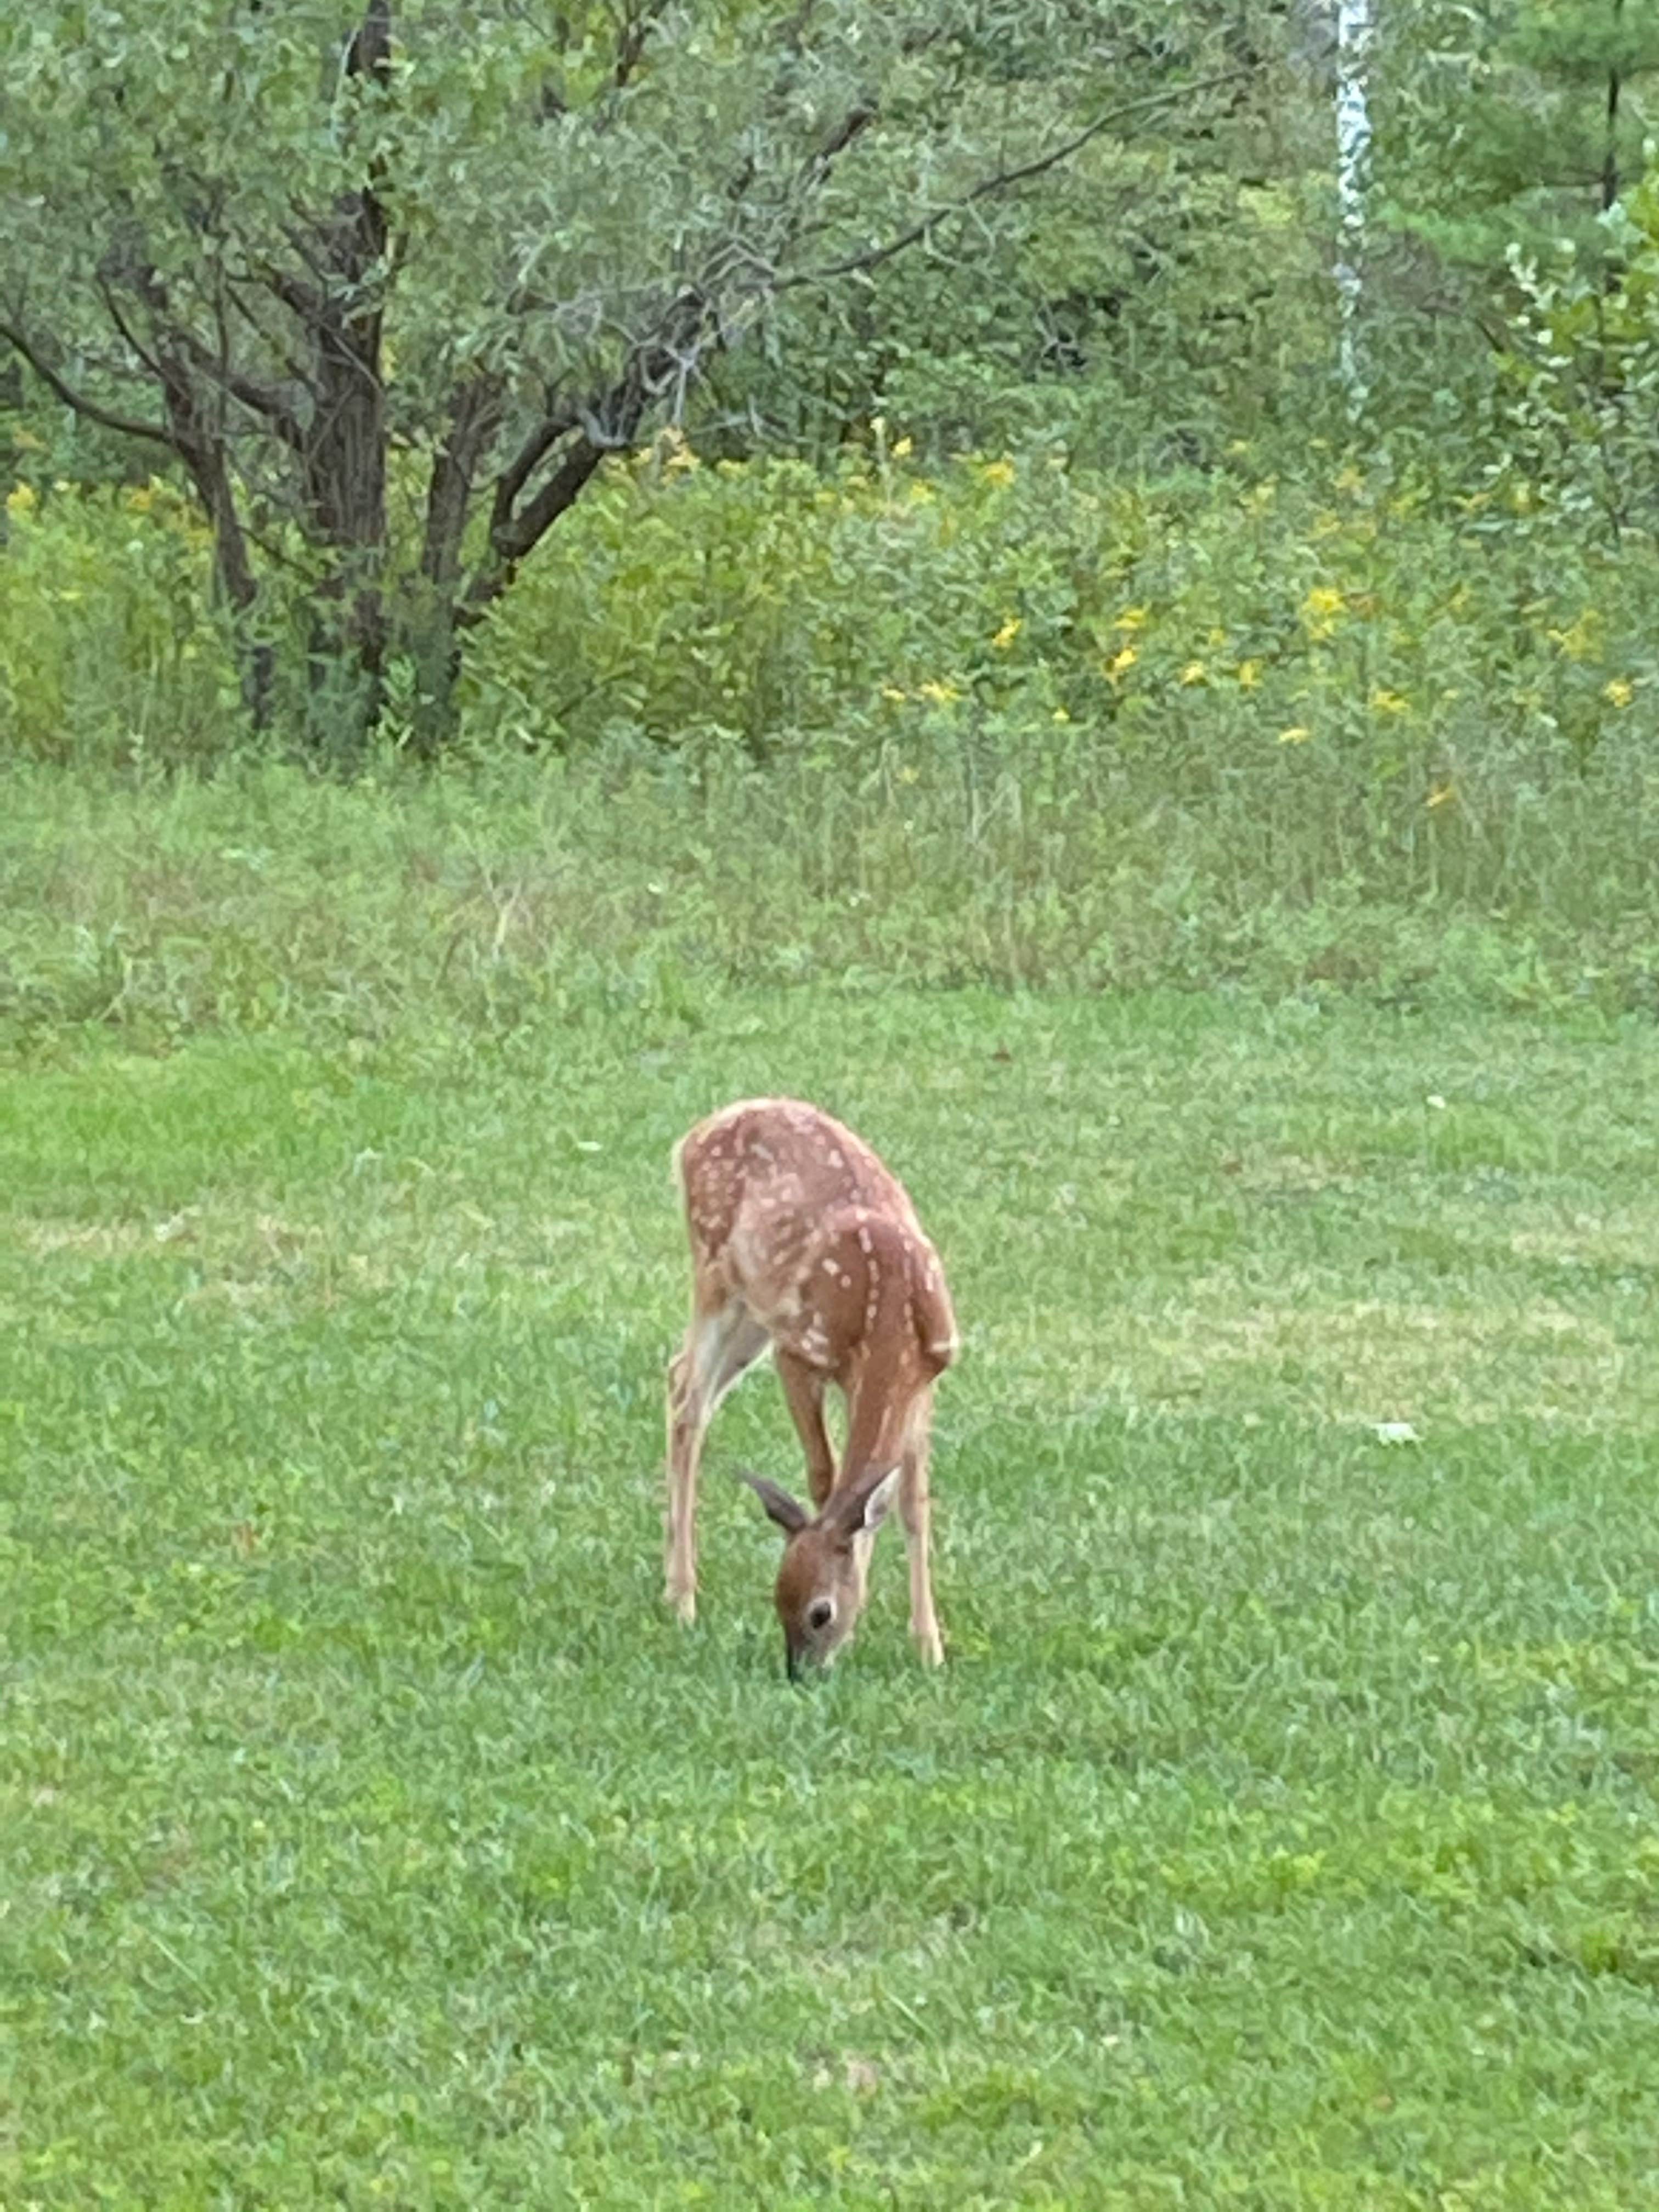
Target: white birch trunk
[{"x": 1356, "y": 29}]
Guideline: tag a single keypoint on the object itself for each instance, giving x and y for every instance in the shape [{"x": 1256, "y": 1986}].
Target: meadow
[{"x": 1281, "y": 1830}]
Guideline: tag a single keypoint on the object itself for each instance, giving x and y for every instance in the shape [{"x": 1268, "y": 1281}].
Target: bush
[
  {"x": 992, "y": 720},
  {"x": 105, "y": 647}
]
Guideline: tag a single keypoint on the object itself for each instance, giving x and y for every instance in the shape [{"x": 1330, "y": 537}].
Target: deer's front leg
[
  {"x": 686, "y": 1424},
  {"x": 719, "y": 1346}
]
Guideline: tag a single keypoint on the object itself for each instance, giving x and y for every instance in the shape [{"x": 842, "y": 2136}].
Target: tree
[
  {"x": 389, "y": 282},
  {"x": 1518, "y": 123},
  {"x": 1355, "y": 27}
]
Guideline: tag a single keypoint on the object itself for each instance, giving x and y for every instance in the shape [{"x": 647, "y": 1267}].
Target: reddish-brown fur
[{"x": 803, "y": 1240}]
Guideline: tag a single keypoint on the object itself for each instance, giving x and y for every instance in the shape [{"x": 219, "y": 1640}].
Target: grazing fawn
[{"x": 801, "y": 1239}]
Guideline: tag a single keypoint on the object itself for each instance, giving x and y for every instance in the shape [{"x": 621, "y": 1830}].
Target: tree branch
[
  {"x": 474, "y": 414},
  {"x": 652, "y": 364},
  {"x": 524, "y": 530},
  {"x": 258, "y": 399},
  {"x": 1005, "y": 179},
  {"x": 110, "y": 418},
  {"x": 529, "y": 458},
  {"x": 632, "y": 34}
]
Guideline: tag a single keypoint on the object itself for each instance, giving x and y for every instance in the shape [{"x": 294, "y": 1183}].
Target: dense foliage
[
  {"x": 389, "y": 283},
  {"x": 909, "y": 401}
]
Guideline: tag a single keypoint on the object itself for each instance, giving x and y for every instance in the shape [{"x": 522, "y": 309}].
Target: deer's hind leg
[{"x": 915, "y": 1510}]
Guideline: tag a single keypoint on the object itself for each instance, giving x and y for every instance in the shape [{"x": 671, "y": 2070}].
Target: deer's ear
[
  {"x": 789, "y": 1514},
  {"x": 861, "y": 1509}
]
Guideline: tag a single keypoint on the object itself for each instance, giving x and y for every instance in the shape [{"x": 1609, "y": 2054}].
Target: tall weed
[{"x": 989, "y": 720}]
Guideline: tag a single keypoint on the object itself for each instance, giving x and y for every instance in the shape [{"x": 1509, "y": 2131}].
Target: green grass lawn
[{"x": 1281, "y": 1832}]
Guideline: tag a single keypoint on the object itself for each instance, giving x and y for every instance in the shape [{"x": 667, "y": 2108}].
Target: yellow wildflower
[
  {"x": 1121, "y": 663},
  {"x": 1249, "y": 675},
  {"x": 1297, "y": 734},
  {"x": 22, "y": 499},
  {"x": 890, "y": 691},
  {"x": 1131, "y": 618},
  {"x": 1384, "y": 702},
  {"x": 1349, "y": 479},
  {"x": 1000, "y": 473},
  {"x": 1060, "y": 715},
  {"x": 1320, "y": 607},
  {"x": 1193, "y": 672},
  {"x": 1618, "y": 692},
  {"x": 1217, "y": 637},
  {"x": 903, "y": 449},
  {"x": 1441, "y": 793},
  {"x": 1578, "y": 640},
  {"x": 908, "y": 773},
  {"x": 1010, "y": 631},
  {"x": 942, "y": 694}
]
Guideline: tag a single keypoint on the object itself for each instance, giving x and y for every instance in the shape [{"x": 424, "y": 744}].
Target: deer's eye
[{"x": 820, "y": 1613}]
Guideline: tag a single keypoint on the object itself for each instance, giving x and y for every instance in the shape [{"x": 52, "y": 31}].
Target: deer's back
[{"x": 791, "y": 1211}]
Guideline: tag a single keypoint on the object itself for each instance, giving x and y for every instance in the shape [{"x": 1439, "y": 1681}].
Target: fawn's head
[{"x": 820, "y": 1588}]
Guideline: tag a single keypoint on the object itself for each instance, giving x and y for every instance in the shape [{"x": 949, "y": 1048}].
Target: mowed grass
[{"x": 1281, "y": 1832}]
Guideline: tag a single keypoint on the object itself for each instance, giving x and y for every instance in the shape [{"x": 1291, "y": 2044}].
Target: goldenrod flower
[
  {"x": 1010, "y": 631},
  {"x": 1193, "y": 672},
  {"x": 942, "y": 694},
  {"x": 901, "y": 450},
  {"x": 1121, "y": 662},
  {"x": 1577, "y": 641},
  {"x": 1000, "y": 473},
  {"x": 1131, "y": 618},
  {"x": 1618, "y": 692}
]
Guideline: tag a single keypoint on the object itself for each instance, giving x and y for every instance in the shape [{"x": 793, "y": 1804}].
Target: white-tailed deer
[{"x": 802, "y": 1239}]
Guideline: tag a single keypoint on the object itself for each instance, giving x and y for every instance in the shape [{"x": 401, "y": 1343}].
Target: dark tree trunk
[
  {"x": 198, "y": 439},
  {"x": 427, "y": 633},
  {"x": 343, "y": 450}
]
